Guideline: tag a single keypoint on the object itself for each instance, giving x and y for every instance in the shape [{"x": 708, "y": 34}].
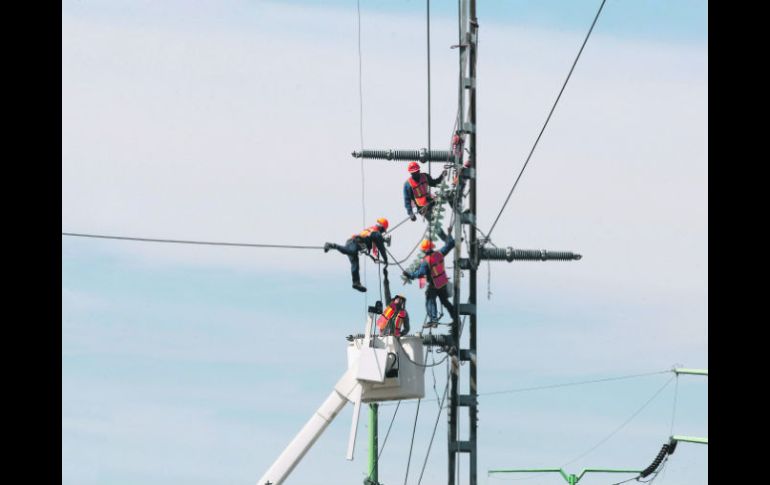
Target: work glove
[
  {"x": 412, "y": 217},
  {"x": 406, "y": 278}
]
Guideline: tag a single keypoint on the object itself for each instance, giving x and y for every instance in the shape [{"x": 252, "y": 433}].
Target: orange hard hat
[
  {"x": 413, "y": 167},
  {"x": 426, "y": 244},
  {"x": 383, "y": 222}
]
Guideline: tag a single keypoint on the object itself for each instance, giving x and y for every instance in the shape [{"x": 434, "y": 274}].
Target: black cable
[
  {"x": 616, "y": 430},
  {"x": 361, "y": 108},
  {"x": 384, "y": 441},
  {"x": 549, "y": 115},
  {"x": 426, "y": 358},
  {"x": 411, "y": 446},
  {"x": 390, "y": 231},
  {"x": 395, "y": 260},
  {"x": 417, "y": 413},
  {"x": 181, "y": 241},
  {"x": 625, "y": 481},
  {"x": 427, "y": 28},
  {"x": 577, "y": 383},
  {"x": 435, "y": 425},
  {"x": 554, "y": 386}
]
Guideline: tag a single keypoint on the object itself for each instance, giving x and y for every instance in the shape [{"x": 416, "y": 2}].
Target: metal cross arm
[
  {"x": 422, "y": 155},
  {"x": 694, "y": 372},
  {"x": 571, "y": 479},
  {"x": 510, "y": 254},
  {"x": 690, "y": 439}
]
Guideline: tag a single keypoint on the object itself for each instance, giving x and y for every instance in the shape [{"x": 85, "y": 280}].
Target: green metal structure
[
  {"x": 690, "y": 439},
  {"x": 372, "y": 477},
  {"x": 696, "y": 372},
  {"x": 571, "y": 479}
]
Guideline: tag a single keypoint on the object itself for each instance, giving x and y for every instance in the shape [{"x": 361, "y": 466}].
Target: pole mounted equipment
[
  {"x": 464, "y": 351},
  {"x": 422, "y": 155}
]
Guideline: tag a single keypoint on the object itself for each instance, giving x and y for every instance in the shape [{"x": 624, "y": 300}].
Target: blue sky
[{"x": 235, "y": 120}]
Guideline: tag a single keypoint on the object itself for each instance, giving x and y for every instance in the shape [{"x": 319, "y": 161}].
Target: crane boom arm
[{"x": 346, "y": 389}]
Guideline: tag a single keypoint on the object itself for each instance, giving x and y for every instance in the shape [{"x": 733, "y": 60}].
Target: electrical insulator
[
  {"x": 405, "y": 155},
  {"x": 509, "y": 254}
]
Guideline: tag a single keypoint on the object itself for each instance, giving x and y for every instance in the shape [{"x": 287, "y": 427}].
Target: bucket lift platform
[
  {"x": 379, "y": 369},
  {"x": 389, "y": 368}
]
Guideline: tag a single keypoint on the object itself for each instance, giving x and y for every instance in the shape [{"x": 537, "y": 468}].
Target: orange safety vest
[
  {"x": 391, "y": 322},
  {"x": 366, "y": 233},
  {"x": 438, "y": 275},
  {"x": 420, "y": 190}
]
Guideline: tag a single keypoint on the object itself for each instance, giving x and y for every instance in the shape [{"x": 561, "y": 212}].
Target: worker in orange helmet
[
  {"x": 417, "y": 194},
  {"x": 394, "y": 319},
  {"x": 432, "y": 266},
  {"x": 368, "y": 241}
]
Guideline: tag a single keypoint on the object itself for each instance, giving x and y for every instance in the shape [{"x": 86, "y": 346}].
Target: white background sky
[{"x": 235, "y": 121}]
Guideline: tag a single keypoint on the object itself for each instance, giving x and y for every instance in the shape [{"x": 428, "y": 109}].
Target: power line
[
  {"x": 382, "y": 448},
  {"x": 576, "y": 383},
  {"x": 427, "y": 36},
  {"x": 435, "y": 425},
  {"x": 182, "y": 241},
  {"x": 549, "y": 116},
  {"x": 361, "y": 139},
  {"x": 361, "y": 110},
  {"x": 411, "y": 445},
  {"x": 565, "y": 384},
  {"x": 623, "y": 425},
  {"x": 673, "y": 410}
]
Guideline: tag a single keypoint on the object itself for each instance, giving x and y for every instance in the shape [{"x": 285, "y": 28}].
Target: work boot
[
  {"x": 358, "y": 286},
  {"x": 329, "y": 246}
]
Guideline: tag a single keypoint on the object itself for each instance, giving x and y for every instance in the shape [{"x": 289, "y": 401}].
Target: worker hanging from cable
[
  {"x": 394, "y": 319},
  {"x": 417, "y": 194},
  {"x": 368, "y": 241},
  {"x": 432, "y": 266}
]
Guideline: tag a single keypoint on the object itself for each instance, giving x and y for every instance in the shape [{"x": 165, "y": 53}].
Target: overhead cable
[
  {"x": 435, "y": 425},
  {"x": 566, "y": 384},
  {"x": 574, "y": 63},
  {"x": 182, "y": 241},
  {"x": 623, "y": 425}
]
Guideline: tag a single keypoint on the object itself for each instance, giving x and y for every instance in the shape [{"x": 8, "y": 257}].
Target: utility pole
[
  {"x": 372, "y": 477},
  {"x": 464, "y": 222}
]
